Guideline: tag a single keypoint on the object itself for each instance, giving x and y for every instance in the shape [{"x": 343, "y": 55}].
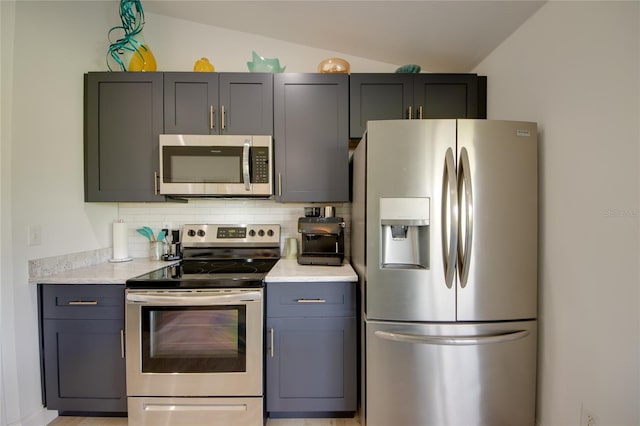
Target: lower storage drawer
[{"x": 304, "y": 299}]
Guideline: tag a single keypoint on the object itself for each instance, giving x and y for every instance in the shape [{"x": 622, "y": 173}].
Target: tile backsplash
[{"x": 223, "y": 211}]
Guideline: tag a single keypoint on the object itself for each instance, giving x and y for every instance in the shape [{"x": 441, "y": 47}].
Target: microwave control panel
[{"x": 260, "y": 164}]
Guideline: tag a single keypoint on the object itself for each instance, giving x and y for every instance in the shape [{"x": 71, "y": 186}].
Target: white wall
[
  {"x": 7, "y": 13},
  {"x": 44, "y": 57},
  {"x": 177, "y": 44},
  {"x": 574, "y": 68}
]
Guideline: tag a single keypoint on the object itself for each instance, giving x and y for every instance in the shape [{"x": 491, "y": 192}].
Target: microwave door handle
[{"x": 245, "y": 165}]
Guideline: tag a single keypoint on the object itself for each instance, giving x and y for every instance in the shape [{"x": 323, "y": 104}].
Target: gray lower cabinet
[
  {"x": 206, "y": 103},
  {"x": 414, "y": 96},
  {"x": 82, "y": 353},
  {"x": 123, "y": 121},
  {"x": 311, "y": 349},
  {"x": 311, "y": 137}
]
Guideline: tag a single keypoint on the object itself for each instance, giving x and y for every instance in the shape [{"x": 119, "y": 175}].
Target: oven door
[{"x": 200, "y": 342}]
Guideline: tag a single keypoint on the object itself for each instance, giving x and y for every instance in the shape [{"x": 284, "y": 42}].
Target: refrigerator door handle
[
  {"x": 449, "y": 218},
  {"x": 508, "y": 336},
  {"x": 466, "y": 205}
]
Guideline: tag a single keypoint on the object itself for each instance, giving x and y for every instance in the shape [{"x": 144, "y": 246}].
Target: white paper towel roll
[{"x": 120, "y": 250}]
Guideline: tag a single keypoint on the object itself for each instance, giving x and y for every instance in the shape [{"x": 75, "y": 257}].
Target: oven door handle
[{"x": 191, "y": 299}]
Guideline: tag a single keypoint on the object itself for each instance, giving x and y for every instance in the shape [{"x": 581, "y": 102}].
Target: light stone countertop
[
  {"x": 103, "y": 273},
  {"x": 288, "y": 270}
]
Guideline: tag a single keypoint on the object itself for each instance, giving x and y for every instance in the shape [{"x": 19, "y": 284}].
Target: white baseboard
[{"x": 41, "y": 418}]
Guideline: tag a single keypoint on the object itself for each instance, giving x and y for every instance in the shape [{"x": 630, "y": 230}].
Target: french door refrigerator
[{"x": 444, "y": 240}]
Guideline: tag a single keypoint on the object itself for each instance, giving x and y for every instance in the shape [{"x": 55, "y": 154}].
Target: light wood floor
[{"x": 122, "y": 421}]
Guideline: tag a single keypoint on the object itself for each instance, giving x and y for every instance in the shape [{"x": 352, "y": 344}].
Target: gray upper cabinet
[
  {"x": 311, "y": 137},
  {"x": 445, "y": 96},
  {"x": 378, "y": 97},
  {"x": 414, "y": 96},
  {"x": 218, "y": 103},
  {"x": 123, "y": 120}
]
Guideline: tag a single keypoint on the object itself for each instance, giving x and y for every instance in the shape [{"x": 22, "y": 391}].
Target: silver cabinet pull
[
  {"x": 420, "y": 112},
  {"x": 271, "y": 340},
  {"x": 279, "y": 184},
  {"x": 155, "y": 183},
  {"x": 222, "y": 126},
  {"x": 311, "y": 300},
  {"x": 212, "y": 124},
  {"x": 122, "y": 343},
  {"x": 410, "y": 115},
  {"x": 83, "y": 302}
]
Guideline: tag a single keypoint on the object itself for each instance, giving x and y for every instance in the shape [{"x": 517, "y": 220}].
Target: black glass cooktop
[
  {"x": 207, "y": 273},
  {"x": 231, "y": 266}
]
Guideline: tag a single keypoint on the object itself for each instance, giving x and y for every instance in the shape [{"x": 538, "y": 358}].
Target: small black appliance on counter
[
  {"x": 322, "y": 241},
  {"x": 175, "y": 251}
]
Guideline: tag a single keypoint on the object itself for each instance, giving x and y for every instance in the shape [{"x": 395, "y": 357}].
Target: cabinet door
[
  {"x": 378, "y": 97},
  {"x": 445, "y": 96},
  {"x": 311, "y": 365},
  {"x": 123, "y": 121},
  {"x": 246, "y": 103},
  {"x": 83, "y": 365},
  {"x": 311, "y": 137},
  {"x": 191, "y": 103}
]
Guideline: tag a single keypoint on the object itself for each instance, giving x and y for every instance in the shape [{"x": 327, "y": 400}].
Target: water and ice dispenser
[{"x": 404, "y": 228}]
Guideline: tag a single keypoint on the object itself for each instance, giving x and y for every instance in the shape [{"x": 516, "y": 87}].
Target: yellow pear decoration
[
  {"x": 142, "y": 59},
  {"x": 203, "y": 65}
]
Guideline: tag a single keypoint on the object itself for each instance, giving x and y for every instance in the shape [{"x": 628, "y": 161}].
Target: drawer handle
[
  {"x": 311, "y": 301},
  {"x": 83, "y": 302}
]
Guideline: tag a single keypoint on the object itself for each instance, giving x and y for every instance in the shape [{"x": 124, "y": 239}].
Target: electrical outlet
[
  {"x": 587, "y": 418},
  {"x": 34, "y": 236}
]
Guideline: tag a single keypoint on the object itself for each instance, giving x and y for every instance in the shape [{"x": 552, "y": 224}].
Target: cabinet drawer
[
  {"x": 304, "y": 299},
  {"x": 90, "y": 301}
]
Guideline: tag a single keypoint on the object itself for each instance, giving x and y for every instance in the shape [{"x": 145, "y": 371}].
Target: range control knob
[
  {"x": 252, "y": 233},
  {"x": 261, "y": 233},
  {"x": 270, "y": 232},
  {"x": 201, "y": 233},
  {"x": 191, "y": 233}
]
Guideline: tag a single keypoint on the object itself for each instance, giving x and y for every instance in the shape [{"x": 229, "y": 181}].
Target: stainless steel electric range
[{"x": 194, "y": 330}]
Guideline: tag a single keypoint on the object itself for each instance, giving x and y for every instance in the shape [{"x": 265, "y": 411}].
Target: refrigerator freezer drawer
[{"x": 450, "y": 374}]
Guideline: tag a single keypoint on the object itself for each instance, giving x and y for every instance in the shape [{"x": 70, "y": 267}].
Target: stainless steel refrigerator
[{"x": 444, "y": 240}]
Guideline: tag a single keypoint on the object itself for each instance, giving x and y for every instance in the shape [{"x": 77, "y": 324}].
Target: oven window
[{"x": 194, "y": 339}]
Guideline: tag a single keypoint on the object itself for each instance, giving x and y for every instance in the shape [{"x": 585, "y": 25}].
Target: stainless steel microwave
[{"x": 216, "y": 165}]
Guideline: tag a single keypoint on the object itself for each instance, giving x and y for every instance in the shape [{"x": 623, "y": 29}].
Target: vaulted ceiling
[{"x": 440, "y": 36}]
